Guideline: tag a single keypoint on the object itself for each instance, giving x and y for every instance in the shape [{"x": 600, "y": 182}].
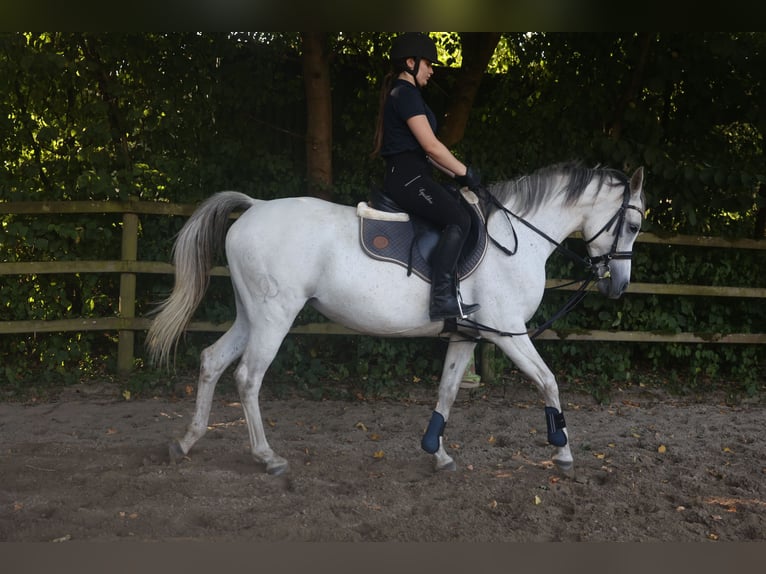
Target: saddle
[{"x": 388, "y": 233}]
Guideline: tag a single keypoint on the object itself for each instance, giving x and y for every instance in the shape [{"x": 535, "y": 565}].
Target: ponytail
[
  {"x": 384, "y": 90},
  {"x": 399, "y": 66}
]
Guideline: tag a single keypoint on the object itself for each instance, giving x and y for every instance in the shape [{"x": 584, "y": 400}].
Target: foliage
[{"x": 172, "y": 117}]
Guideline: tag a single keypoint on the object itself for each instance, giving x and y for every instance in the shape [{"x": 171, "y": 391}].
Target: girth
[{"x": 387, "y": 233}]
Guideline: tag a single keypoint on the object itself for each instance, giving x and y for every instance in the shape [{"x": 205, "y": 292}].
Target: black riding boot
[{"x": 444, "y": 300}]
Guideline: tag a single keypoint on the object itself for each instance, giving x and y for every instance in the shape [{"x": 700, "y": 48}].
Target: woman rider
[{"x": 406, "y": 139}]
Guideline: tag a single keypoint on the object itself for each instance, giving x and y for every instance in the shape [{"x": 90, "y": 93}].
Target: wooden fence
[{"x": 126, "y": 323}]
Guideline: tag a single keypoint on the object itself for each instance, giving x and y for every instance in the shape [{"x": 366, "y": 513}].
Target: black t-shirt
[{"x": 403, "y": 102}]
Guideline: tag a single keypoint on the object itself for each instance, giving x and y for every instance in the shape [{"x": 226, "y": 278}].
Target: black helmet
[{"x": 414, "y": 45}]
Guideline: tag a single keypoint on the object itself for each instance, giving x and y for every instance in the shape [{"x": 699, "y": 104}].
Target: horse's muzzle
[{"x": 610, "y": 288}]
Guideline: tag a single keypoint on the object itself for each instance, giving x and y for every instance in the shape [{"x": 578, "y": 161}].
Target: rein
[{"x": 592, "y": 264}]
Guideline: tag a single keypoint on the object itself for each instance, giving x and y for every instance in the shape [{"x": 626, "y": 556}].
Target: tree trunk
[
  {"x": 316, "y": 78},
  {"x": 477, "y": 48}
]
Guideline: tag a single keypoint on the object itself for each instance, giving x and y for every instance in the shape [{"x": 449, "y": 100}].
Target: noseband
[{"x": 599, "y": 265}]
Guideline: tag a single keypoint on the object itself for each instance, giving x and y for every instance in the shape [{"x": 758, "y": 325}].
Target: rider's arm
[{"x": 436, "y": 151}]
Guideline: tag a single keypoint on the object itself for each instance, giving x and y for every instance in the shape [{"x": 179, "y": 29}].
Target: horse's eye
[{"x": 633, "y": 228}]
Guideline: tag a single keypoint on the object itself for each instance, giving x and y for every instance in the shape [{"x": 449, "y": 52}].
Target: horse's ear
[{"x": 637, "y": 180}]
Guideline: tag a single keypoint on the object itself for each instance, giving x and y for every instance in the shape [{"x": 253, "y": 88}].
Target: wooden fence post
[
  {"x": 487, "y": 362},
  {"x": 127, "y": 304}
]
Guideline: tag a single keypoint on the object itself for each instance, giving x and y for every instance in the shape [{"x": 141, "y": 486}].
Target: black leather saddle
[{"x": 388, "y": 233}]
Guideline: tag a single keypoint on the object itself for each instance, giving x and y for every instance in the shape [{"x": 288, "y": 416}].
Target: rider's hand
[{"x": 470, "y": 180}]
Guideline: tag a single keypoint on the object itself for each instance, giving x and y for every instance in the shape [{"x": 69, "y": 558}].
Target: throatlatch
[
  {"x": 430, "y": 441},
  {"x": 556, "y": 425}
]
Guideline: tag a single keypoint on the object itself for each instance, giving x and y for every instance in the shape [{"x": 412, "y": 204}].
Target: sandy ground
[{"x": 91, "y": 466}]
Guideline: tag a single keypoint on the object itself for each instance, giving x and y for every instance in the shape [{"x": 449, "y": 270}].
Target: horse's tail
[{"x": 199, "y": 240}]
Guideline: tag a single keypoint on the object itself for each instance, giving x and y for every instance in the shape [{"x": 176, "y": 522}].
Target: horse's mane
[{"x": 527, "y": 193}]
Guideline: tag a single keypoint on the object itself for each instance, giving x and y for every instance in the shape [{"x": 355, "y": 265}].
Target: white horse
[{"x": 284, "y": 253}]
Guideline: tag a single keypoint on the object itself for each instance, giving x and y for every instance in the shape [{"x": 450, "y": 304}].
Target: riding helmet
[{"x": 414, "y": 45}]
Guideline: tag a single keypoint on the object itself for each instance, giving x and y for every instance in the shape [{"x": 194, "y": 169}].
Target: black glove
[{"x": 470, "y": 180}]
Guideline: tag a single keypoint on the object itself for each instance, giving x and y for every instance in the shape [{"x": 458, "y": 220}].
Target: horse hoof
[
  {"x": 566, "y": 467},
  {"x": 277, "y": 468},
  {"x": 176, "y": 452},
  {"x": 447, "y": 466}
]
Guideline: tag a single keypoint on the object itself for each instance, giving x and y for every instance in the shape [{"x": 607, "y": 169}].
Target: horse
[{"x": 288, "y": 252}]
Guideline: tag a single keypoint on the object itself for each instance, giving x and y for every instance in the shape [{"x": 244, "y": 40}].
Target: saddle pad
[{"x": 389, "y": 237}]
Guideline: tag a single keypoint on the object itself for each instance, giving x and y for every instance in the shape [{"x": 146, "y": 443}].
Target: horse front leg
[
  {"x": 523, "y": 353},
  {"x": 458, "y": 354}
]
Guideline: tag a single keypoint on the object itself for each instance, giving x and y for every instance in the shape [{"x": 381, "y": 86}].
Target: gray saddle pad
[{"x": 395, "y": 238}]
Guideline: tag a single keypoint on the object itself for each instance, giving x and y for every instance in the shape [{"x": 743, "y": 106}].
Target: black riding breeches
[{"x": 408, "y": 181}]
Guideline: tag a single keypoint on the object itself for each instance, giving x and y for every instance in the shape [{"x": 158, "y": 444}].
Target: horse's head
[{"x": 610, "y": 244}]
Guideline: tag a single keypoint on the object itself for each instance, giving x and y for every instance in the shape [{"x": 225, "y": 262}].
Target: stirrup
[{"x": 465, "y": 308}]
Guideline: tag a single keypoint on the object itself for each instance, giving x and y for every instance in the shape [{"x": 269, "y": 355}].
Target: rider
[{"x": 406, "y": 139}]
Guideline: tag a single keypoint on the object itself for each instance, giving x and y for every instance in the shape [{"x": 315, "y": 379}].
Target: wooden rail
[{"x": 126, "y": 324}]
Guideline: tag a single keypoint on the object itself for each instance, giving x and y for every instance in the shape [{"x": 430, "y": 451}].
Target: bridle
[
  {"x": 598, "y": 265},
  {"x": 591, "y": 263},
  {"x": 601, "y": 262}
]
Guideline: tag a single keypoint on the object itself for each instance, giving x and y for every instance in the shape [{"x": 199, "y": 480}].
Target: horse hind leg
[
  {"x": 249, "y": 377},
  {"x": 213, "y": 362}
]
